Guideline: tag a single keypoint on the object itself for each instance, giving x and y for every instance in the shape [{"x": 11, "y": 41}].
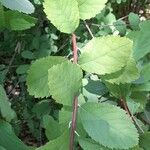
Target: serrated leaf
[
  {"x": 89, "y": 144},
  {"x": 5, "y": 106},
  {"x": 108, "y": 125},
  {"x": 61, "y": 143},
  {"x": 52, "y": 128},
  {"x": 37, "y": 79},
  {"x": 128, "y": 74},
  {"x": 107, "y": 54},
  {"x": 24, "y": 6},
  {"x": 86, "y": 5},
  {"x": 121, "y": 90},
  {"x": 65, "y": 84},
  {"x": 64, "y": 14},
  {"x": 141, "y": 87},
  {"x": 145, "y": 141},
  {"x": 8, "y": 139},
  {"x": 142, "y": 43}
]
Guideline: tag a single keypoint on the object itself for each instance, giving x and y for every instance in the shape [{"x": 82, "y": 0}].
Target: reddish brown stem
[
  {"x": 75, "y": 102},
  {"x": 73, "y": 123},
  {"x": 75, "y": 49},
  {"x": 126, "y": 108}
]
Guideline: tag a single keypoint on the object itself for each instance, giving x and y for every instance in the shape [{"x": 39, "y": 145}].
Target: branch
[
  {"x": 126, "y": 108},
  {"x": 75, "y": 102},
  {"x": 88, "y": 28}
]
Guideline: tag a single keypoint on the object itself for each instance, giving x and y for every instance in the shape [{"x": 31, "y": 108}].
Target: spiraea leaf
[
  {"x": 89, "y": 8},
  {"x": 63, "y": 14},
  {"x": 64, "y": 82},
  {"x": 105, "y": 55},
  {"x": 37, "y": 79},
  {"x": 108, "y": 125}
]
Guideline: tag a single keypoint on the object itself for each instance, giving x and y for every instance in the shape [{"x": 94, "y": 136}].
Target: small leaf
[
  {"x": 52, "y": 128},
  {"x": 22, "y": 69},
  {"x": 5, "y": 106},
  {"x": 65, "y": 84},
  {"x": 107, "y": 54},
  {"x": 64, "y": 14},
  {"x": 27, "y": 55},
  {"x": 134, "y": 21},
  {"x": 37, "y": 79},
  {"x": 41, "y": 108},
  {"x": 120, "y": 26},
  {"x": 86, "y": 5},
  {"x": 108, "y": 125},
  {"x": 24, "y": 6}
]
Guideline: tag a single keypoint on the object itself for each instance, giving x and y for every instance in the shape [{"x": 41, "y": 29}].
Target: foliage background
[{"x": 23, "y": 42}]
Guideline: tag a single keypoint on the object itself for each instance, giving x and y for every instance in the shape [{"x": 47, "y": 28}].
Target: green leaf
[
  {"x": 95, "y": 87},
  {"x": 24, "y": 6},
  {"x": 145, "y": 141},
  {"x": 85, "y": 7},
  {"x": 2, "y": 17},
  {"x": 41, "y": 108},
  {"x": 121, "y": 90},
  {"x": 61, "y": 143},
  {"x": 134, "y": 21},
  {"x": 22, "y": 69},
  {"x": 142, "y": 43},
  {"x": 64, "y": 82},
  {"x": 5, "y": 107},
  {"x": 8, "y": 139},
  {"x": 145, "y": 72},
  {"x": 64, "y": 14},
  {"x": 64, "y": 120},
  {"x": 37, "y": 79},
  {"x": 52, "y": 128},
  {"x": 141, "y": 87},
  {"x": 89, "y": 144},
  {"x": 107, "y": 54},
  {"x": 2, "y": 148},
  {"x": 27, "y": 55},
  {"x": 18, "y": 21},
  {"x": 120, "y": 26},
  {"x": 108, "y": 125},
  {"x": 139, "y": 97},
  {"x": 128, "y": 74}
]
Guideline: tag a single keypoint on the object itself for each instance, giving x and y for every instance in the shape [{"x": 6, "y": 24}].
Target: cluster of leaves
[{"x": 111, "y": 78}]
